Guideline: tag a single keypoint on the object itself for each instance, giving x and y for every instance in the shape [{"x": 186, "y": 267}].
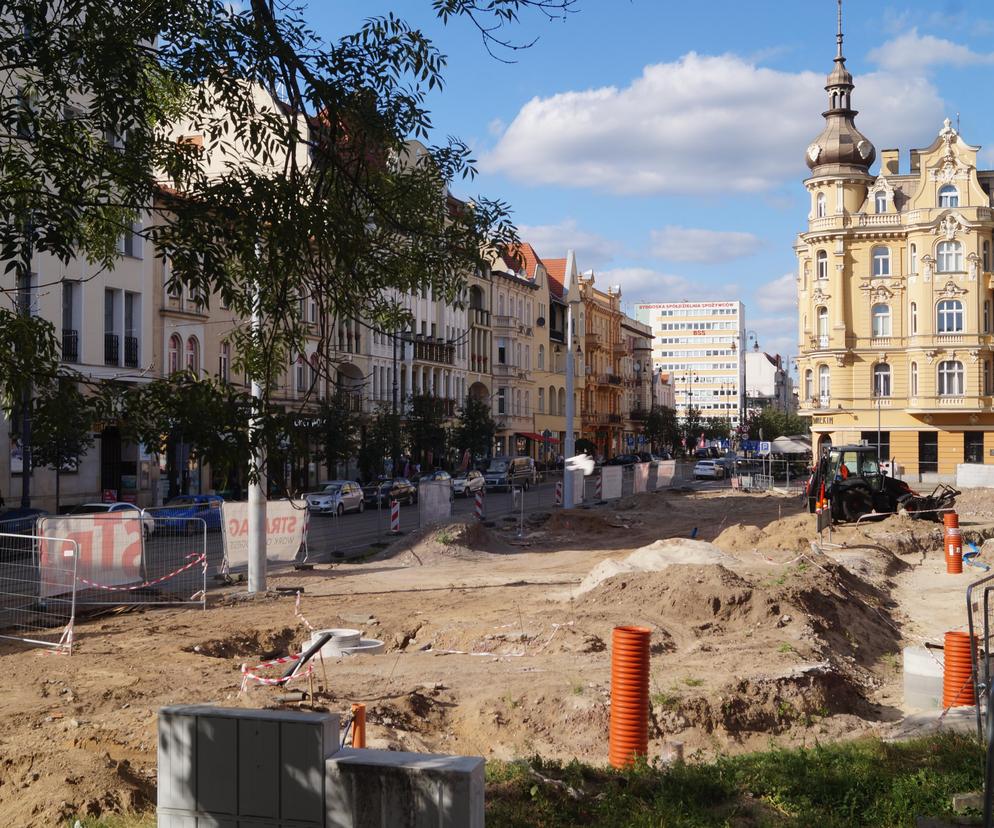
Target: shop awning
[{"x": 538, "y": 438}]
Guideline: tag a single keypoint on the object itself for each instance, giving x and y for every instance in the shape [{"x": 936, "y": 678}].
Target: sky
[{"x": 664, "y": 141}]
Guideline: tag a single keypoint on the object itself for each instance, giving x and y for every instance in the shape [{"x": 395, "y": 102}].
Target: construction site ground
[{"x": 499, "y": 646}]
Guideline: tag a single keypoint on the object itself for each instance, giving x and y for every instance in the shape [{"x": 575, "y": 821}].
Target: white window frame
[
  {"x": 949, "y": 317},
  {"x": 881, "y": 261},
  {"x": 948, "y": 197},
  {"x": 881, "y": 318},
  {"x": 950, "y": 378},
  {"x": 881, "y": 380},
  {"x": 949, "y": 257}
]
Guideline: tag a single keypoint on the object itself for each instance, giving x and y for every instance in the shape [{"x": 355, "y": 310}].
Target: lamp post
[{"x": 571, "y": 294}]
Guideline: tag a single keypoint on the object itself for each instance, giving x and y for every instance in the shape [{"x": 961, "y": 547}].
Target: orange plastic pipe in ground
[
  {"x": 950, "y": 520},
  {"x": 629, "y": 733},
  {"x": 358, "y": 725},
  {"x": 957, "y": 675}
]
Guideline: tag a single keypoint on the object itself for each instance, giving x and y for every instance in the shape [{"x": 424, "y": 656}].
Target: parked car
[
  {"x": 184, "y": 513},
  {"x": 648, "y": 457},
  {"x": 148, "y": 522},
  {"x": 708, "y": 469},
  {"x": 337, "y": 498},
  {"x": 468, "y": 483},
  {"x": 505, "y": 472},
  {"x": 383, "y": 491},
  {"x": 20, "y": 521},
  {"x": 438, "y": 476},
  {"x": 623, "y": 460}
]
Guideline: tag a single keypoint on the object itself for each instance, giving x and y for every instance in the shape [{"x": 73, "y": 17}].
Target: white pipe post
[
  {"x": 569, "y": 445},
  {"x": 256, "y": 492}
]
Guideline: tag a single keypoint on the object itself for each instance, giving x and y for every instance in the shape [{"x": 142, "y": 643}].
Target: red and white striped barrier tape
[
  {"x": 299, "y": 615},
  {"x": 248, "y": 674},
  {"x": 201, "y": 559}
]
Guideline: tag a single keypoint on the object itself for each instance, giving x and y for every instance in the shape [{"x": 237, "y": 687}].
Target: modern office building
[
  {"x": 894, "y": 289},
  {"x": 700, "y": 346}
]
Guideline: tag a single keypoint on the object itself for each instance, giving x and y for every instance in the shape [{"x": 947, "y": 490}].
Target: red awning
[{"x": 531, "y": 435}]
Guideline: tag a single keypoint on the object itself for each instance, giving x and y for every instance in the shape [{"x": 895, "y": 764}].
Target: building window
[
  {"x": 880, "y": 202},
  {"x": 988, "y": 384},
  {"x": 914, "y": 379},
  {"x": 175, "y": 346},
  {"x": 987, "y": 315},
  {"x": 928, "y": 452},
  {"x": 949, "y": 316},
  {"x": 950, "y": 257},
  {"x": 986, "y": 255},
  {"x": 973, "y": 447},
  {"x": 948, "y": 196},
  {"x": 820, "y": 205},
  {"x": 914, "y": 317},
  {"x": 881, "y": 380},
  {"x": 913, "y": 259},
  {"x": 822, "y": 266},
  {"x": 881, "y": 261},
  {"x": 881, "y": 320},
  {"x": 502, "y": 401},
  {"x": 808, "y": 384},
  {"x": 193, "y": 355},
  {"x": 824, "y": 384},
  {"x": 870, "y": 438},
  {"x": 224, "y": 362},
  {"x": 541, "y": 357},
  {"x": 951, "y": 378},
  {"x": 541, "y": 400},
  {"x": 822, "y": 327}
]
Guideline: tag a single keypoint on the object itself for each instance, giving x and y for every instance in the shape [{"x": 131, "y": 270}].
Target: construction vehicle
[{"x": 851, "y": 480}]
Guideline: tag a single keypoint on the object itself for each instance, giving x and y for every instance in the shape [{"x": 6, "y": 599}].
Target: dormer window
[
  {"x": 948, "y": 196},
  {"x": 880, "y": 202}
]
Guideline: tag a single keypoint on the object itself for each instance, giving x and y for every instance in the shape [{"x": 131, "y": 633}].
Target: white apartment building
[
  {"x": 700, "y": 345},
  {"x": 767, "y": 382}
]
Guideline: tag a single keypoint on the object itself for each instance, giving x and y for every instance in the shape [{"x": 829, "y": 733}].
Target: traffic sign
[
  {"x": 765, "y": 447},
  {"x": 631, "y": 441}
]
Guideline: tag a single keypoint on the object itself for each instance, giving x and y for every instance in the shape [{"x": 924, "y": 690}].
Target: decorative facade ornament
[
  {"x": 951, "y": 291},
  {"x": 974, "y": 419},
  {"x": 973, "y": 266},
  {"x": 928, "y": 418},
  {"x": 882, "y": 357},
  {"x": 840, "y": 360},
  {"x": 865, "y": 149},
  {"x": 951, "y": 225},
  {"x": 975, "y": 354},
  {"x": 814, "y": 151},
  {"x": 820, "y": 296},
  {"x": 931, "y": 355},
  {"x": 928, "y": 265},
  {"x": 876, "y": 291}
]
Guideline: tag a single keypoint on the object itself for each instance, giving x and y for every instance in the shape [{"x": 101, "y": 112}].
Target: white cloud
[
  {"x": 687, "y": 244},
  {"x": 649, "y": 285},
  {"x": 912, "y": 52},
  {"x": 553, "y": 240},
  {"x": 701, "y": 124},
  {"x": 778, "y": 295}
]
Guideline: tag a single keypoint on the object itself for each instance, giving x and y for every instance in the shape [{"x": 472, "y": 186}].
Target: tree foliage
[
  {"x": 775, "y": 423},
  {"x": 475, "y": 428},
  {"x": 338, "y": 427},
  {"x": 661, "y": 427},
  {"x": 378, "y": 443},
  {"x": 62, "y": 424},
  {"x": 424, "y": 428}
]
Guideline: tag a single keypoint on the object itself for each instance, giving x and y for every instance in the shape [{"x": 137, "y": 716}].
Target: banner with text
[
  {"x": 110, "y": 551},
  {"x": 285, "y": 524}
]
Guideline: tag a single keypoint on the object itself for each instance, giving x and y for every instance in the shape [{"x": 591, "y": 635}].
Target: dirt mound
[
  {"x": 654, "y": 558},
  {"x": 792, "y": 534},
  {"x": 262, "y": 643},
  {"x": 463, "y": 540},
  {"x": 767, "y": 704},
  {"x": 586, "y": 521}
]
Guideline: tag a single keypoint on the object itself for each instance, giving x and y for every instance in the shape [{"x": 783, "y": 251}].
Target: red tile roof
[
  {"x": 523, "y": 257},
  {"x": 556, "y": 268}
]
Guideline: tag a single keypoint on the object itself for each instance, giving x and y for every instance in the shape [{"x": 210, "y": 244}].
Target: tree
[
  {"x": 62, "y": 429},
  {"x": 770, "y": 423},
  {"x": 661, "y": 428},
  {"x": 314, "y": 190},
  {"x": 717, "y": 428},
  {"x": 337, "y": 431},
  {"x": 378, "y": 444},
  {"x": 475, "y": 429},
  {"x": 424, "y": 427},
  {"x": 692, "y": 426}
]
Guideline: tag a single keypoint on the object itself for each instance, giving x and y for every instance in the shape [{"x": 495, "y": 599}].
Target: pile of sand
[
  {"x": 461, "y": 540},
  {"x": 655, "y": 557}
]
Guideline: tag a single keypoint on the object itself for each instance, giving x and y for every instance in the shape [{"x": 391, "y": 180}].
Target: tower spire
[{"x": 838, "y": 37}]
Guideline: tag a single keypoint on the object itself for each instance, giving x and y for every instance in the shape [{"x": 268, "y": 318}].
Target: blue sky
[{"x": 665, "y": 141}]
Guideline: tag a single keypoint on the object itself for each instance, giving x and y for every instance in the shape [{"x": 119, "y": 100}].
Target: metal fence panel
[{"x": 38, "y": 589}]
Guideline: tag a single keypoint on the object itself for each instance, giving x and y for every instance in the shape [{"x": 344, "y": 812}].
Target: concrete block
[
  {"x": 963, "y": 802},
  {"x": 922, "y": 678},
  {"x": 236, "y": 768},
  {"x": 373, "y": 788}
]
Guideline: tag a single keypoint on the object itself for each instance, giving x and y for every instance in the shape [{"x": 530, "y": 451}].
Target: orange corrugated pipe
[
  {"x": 957, "y": 675},
  {"x": 358, "y": 725},
  {"x": 953, "y": 543},
  {"x": 629, "y": 734}
]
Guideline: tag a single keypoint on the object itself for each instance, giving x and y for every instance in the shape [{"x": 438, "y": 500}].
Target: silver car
[
  {"x": 337, "y": 498},
  {"x": 468, "y": 483}
]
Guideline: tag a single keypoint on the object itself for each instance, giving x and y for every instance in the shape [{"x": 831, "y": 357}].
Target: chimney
[{"x": 890, "y": 162}]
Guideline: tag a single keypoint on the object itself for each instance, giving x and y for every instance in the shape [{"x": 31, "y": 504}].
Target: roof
[
  {"x": 522, "y": 257},
  {"x": 556, "y": 268}
]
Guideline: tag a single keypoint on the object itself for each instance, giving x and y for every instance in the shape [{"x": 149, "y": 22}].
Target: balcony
[
  {"x": 613, "y": 379},
  {"x": 349, "y": 401},
  {"x": 505, "y": 323},
  {"x": 638, "y": 415},
  {"x": 614, "y": 419},
  {"x": 131, "y": 351},
  {"x": 70, "y": 345},
  {"x": 593, "y": 342},
  {"x": 619, "y": 348},
  {"x": 438, "y": 351},
  {"x": 511, "y": 372},
  {"x": 479, "y": 318},
  {"x": 112, "y": 349},
  {"x": 938, "y": 404}
]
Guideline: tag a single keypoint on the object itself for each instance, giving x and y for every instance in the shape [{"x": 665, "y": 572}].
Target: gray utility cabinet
[{"x": 234, "y": 768}]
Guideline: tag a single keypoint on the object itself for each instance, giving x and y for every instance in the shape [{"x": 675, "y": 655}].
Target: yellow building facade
[{"x": 894, "y": 296}]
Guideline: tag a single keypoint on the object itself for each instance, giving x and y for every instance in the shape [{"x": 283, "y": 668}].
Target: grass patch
[
  {"x": 693, "y": 682},
  {"x": 785, "y": 648},
  {"x": 860, "y": 783},
  {"x": 666, "y": 699}
]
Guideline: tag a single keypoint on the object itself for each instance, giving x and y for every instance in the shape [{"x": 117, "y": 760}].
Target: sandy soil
[{"x": 492, "y": 649}]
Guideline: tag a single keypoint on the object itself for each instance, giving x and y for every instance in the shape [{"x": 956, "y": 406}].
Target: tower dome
[{"x": 840, "y": 148}]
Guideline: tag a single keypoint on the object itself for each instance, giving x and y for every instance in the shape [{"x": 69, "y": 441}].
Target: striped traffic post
[
  {"x": 395, "y": 517},
  {"x": 559, "y": 492},
  {"x": 598, "y": 488},
  {"x": 480, "y": 512}
]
